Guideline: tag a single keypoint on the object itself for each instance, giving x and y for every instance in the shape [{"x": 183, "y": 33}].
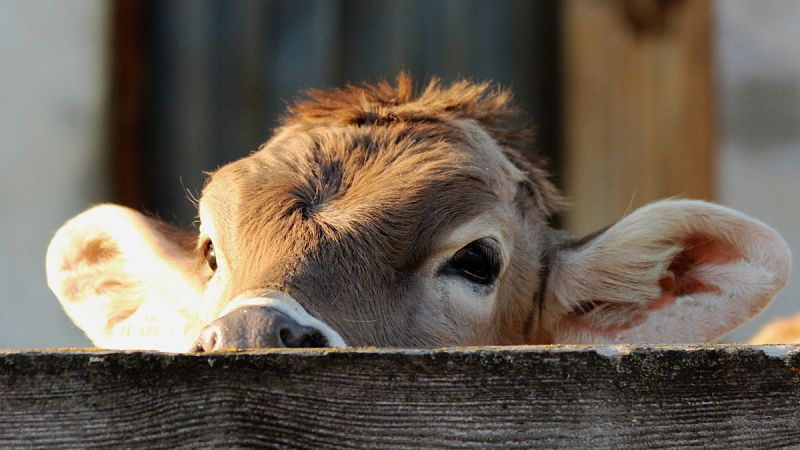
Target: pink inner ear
[
  {"x": 680, "y": 281},
  {"x": 677, "y": 282}
]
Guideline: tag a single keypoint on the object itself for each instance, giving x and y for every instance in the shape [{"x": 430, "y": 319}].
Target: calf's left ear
[{"x": 674, "y": 271}]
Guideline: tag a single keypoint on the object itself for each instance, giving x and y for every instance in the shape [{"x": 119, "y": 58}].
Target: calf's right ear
[{"x": 128, "y": 281}]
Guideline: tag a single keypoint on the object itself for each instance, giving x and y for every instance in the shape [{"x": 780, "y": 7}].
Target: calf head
[{"x": 376, "y": 216}]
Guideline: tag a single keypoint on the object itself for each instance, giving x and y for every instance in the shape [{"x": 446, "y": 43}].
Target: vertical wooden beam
[
  {"x": 127, "y": 84},
  {"x": 638, "y": 114}
]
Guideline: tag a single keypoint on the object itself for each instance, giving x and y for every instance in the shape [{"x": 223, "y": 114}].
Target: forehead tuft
[
  {"x": 384, "y": 103},
  {"x": 399, "y": 105},
  {"x": 391, "y": 105},
  {"x": 382, "y": 147}
]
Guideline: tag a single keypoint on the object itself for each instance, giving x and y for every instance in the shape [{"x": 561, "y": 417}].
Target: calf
[
  {"x": 377, "y": 216},
  {"x": 781, "y": 331}
]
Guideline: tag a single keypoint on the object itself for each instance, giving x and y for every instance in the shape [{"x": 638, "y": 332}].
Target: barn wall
[
  {"x": 52, "y": 160},
  {"x": 759, "y": 89},
  {"x": 219, "y": 74}
]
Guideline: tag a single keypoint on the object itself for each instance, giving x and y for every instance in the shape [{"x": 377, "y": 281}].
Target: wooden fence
[{"x": 552, "y": 397}]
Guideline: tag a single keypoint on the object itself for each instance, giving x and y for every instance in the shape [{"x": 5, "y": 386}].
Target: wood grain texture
[
  {"x": 639, "y": 122},
  {"x": 551, "y": 397}
]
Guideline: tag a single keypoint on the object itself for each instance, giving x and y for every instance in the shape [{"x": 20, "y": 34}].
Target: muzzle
[{"x": 274, "y": 320}]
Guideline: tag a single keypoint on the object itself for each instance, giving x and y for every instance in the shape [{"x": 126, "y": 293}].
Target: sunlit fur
[{"x": 781, "y": 331}]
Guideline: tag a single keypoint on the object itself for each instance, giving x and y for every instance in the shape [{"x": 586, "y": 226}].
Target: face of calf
[{"x": 376, "y": 216}]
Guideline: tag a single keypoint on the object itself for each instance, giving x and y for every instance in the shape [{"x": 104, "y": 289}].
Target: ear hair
[
  {"x": 674, "y": 249},
  {"x": 612, "y": 273},
  {"x": 110, "y": 265}
]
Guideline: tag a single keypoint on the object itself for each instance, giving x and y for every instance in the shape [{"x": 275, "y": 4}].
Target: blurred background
[{"x": 130, "y": 101}]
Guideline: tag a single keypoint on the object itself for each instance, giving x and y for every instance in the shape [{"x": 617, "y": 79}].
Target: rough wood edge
[{"x": 771, "y": 350}]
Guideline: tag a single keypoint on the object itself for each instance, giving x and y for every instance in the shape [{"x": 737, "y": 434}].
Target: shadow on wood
[{"x": 546, "y": 396}]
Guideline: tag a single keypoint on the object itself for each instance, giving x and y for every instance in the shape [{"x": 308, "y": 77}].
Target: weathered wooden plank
[
  {"x": 553, "y": 397},
  {"x": 639, "y": 121}
]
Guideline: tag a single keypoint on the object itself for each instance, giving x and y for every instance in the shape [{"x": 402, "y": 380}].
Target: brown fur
[
  {"x": 384, "y": 104},
  {"x": 334, "y": 206}
]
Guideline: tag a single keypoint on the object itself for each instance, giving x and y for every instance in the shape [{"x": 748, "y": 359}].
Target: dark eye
[
  {"x": 476, "y": 262},
  {"x": 210, "y": 255}
]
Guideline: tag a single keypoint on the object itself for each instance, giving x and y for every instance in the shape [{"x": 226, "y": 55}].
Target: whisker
[
  {"x": 630, "y": 202},
  {"x": 191, "y": 196}
]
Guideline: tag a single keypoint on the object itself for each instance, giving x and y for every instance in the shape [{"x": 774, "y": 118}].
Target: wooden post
[
  {"x": 127, "y": 86},
  {"x": 511, "y": 397},
  {"x": 639, "y": 113}
]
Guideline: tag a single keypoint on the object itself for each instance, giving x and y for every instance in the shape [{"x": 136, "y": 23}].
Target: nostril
[
  {"x": 210, "y": 339},
  {"x": 316, "y": 339},
  {"x": 286, "y": 337},
  {"x": 302, "y": 337}
]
